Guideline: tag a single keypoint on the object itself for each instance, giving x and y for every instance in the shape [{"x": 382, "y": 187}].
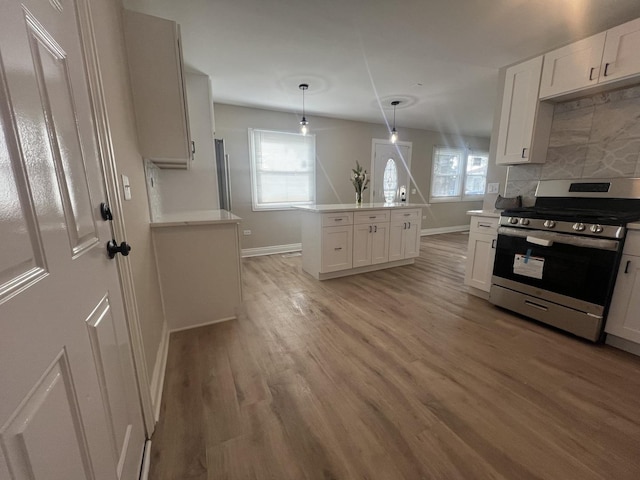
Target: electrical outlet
[
  {"x": 413, "y": 191},
  {"x": 246, "y": 232},
  {"x": 493, "y": 188}
]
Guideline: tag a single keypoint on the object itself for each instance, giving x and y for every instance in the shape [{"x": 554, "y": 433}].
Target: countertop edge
[
  {"x": 331, "y": 208},
  {"x": 484, "y": 213}
]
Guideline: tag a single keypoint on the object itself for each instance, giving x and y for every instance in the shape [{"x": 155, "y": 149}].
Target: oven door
[{"x": 571, "y": 270}]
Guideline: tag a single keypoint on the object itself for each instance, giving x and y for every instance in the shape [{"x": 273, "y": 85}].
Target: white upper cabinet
[
  {"x": 600, "y": 59},
  {"x": 158, "y": 85},
  {"x": 525, "y": 122}
]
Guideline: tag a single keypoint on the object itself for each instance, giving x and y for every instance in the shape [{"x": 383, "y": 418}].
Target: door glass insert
[{"x": 390, "y": 181}]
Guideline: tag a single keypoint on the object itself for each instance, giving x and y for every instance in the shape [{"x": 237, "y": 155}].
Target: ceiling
[{"x": 440, "y": 58}]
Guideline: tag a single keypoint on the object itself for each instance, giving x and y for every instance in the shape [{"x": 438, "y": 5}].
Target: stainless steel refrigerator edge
[{"x": 222, "y": 169}]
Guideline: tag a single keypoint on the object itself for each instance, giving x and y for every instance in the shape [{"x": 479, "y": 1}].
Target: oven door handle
[{"x": 576, "y": 240}]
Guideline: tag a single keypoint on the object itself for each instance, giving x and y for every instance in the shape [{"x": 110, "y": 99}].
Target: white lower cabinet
[
  {"x": 370, "y": 238},
  {"x": 336, "y": 248},
  {"x": 624, "y": 314},
  {"x": 404, "y": 235},
  {"x": 481, "y": 252}
]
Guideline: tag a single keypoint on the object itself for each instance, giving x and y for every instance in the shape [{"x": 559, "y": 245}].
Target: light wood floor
[{"x": 396, "y": 374}]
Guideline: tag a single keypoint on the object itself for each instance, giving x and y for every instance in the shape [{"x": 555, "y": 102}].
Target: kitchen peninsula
[
  {"x": 198, "y": 259},
  {"x": 347, "y": 239}
]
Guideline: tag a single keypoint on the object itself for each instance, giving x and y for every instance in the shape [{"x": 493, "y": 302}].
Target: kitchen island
[
  {"x": 347, "y": 239},
  {"x": 198, "y": 259}
]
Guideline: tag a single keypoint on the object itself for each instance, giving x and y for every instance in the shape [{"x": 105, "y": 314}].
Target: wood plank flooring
[{"x": 396, "y": 374}]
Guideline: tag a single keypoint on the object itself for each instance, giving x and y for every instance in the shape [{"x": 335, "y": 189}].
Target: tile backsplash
[{"x": 592, "y": 137}]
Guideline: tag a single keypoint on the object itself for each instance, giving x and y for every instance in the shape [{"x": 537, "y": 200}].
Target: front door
[
  {"x": 383, "y": 153},
  {"x": 69, "y": 405}
]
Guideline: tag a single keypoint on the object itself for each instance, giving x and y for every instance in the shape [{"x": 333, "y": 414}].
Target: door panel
[
  {"x": 69, "y": 404},
  {"x": 54, "y": 83},
  {"x": 380, "y": 244},
  {"x": 45, "y": 438}
]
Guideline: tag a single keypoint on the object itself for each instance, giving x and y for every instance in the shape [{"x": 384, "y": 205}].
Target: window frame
[
  {"x": 466, "y": 152},
  {"x": 254, "y": 172}
]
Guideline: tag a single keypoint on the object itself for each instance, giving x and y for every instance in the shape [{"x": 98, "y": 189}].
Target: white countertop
[
  {"x": 633, "y": 226},
  {"x": 484, "y": 213},
  {"x": 196, "y": 217},
  {"x": 344, "y": 207}
]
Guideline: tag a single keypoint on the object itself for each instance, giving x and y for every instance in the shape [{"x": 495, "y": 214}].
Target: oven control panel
[{"x": 577, "y": 228}]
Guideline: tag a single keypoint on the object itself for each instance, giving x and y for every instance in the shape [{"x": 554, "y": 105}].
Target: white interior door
[
  {"x": 69, "y": 405},
  {"x": 400, "y": 154}
]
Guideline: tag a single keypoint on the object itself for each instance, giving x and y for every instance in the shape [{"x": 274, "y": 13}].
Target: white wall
[
  {"x": 107, "y": 16},
  {"x": 339, "y": 144}
]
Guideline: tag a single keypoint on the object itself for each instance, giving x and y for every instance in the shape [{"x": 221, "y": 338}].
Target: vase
[{"x": 358, "y": 198}]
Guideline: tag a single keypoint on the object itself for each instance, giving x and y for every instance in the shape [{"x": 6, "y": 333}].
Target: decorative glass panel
[{"x": 390, "y": 181}]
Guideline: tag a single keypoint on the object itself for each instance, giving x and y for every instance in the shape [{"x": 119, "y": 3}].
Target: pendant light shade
[
  {"x": 394, "y": 132},
  {"x": 303, "y": 123}
]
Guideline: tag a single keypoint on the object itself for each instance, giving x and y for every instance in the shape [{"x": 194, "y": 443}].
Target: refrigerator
[{"x": 222, "y": 170}]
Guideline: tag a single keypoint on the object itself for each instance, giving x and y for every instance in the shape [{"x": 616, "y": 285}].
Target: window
[
  {"x": 282, "y": 169},
  {"x": 458, "y": 174}
]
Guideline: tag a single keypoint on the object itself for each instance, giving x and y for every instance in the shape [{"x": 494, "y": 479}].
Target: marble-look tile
[
  {"x": 564, "y": 162},
  {"x": 613, "y": 159},
  {"x": 526, "y": 188},
  {"x": 524, "y": 172},
  {"x": 617, "y": 95},
  {"x": 573, "y": 105},
  {"x": 572, "y": 127},
  {"x": 616, "y": 120}
]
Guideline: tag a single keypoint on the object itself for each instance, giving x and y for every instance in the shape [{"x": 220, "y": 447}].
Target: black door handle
[{"x": 112, "y": 248}]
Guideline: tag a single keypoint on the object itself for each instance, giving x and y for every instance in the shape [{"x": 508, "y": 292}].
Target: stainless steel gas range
[{"x": 557, "y": 262}]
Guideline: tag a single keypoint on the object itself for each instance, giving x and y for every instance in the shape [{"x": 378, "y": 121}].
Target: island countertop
[
  {"x": 349, "y": 207},
  {"x": 196, "y": 217},
  {"x": 484, "y": 213}
]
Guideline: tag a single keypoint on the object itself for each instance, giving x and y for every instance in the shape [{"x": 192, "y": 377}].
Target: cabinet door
[
  {"x": 624, "y": 313},
  {"x": 396, "y": 240},
  {"x": 380, "y": 243},
  {"x": 519, "y": 107},
  {"x": 480, "y": 256},
  {"x": 621, "y": 49},
  {"x": 336, "y": 248},
  {"x": 573, "y": 67},
  {"x": 362, "y": 243},
  {"x": 412, "y": 240}
]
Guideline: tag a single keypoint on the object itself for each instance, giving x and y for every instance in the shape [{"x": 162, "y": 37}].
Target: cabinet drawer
[
  {"x": 632, "y": 243},
  {"x": 405, "y": 215},
  {"x": 336, "y": 219},
  {"x": 488, "y": 225},
  {"x": 374, "y": 216}
]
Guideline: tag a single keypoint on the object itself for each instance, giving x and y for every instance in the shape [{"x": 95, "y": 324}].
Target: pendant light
[
  {"x": 394, "y": 132},
  {"x": 303, "y": 123}
]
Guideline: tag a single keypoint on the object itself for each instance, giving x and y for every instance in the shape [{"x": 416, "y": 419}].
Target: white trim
[
  {"x": 146, "y": 461},
  {"x": 157, "y": 378},
  {"x": 111, "y": 177},
  {"x": 204, "y": 324},
  {"x": 271, "y": 250},
  {"x": 366, "y": 268},
  {"x": 435, "y": 231},
  {"x": 623, "y": 344}
]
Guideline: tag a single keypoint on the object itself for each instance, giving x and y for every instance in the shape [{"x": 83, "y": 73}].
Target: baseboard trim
[
  {"x": 435, "y": 231},
  {"x": 219, "y": 320},
  {"x": 157, "y": 378},
  {"x": 623, "y": 344},
  {"x": 146, "y": 461},
  {"x": 272, "y": 250}
]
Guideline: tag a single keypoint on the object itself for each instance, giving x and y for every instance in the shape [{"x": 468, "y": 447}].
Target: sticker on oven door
[{"x": 528, "y": 266}]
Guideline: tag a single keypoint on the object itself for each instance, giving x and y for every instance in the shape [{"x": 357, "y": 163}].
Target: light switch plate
[
  {"x": 493, "y": 188},
  {"x": 126, "y": 187}
]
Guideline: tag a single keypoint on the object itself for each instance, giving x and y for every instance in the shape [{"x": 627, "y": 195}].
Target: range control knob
[
  {"x": 579, "y": 227},
  {"x": 524, "y": 221},
  {"x": 513, "y": 220},
  {"x": 549, "y": 223},
  {"x": 596, "y": 228}
]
